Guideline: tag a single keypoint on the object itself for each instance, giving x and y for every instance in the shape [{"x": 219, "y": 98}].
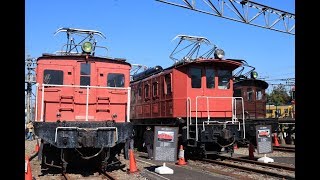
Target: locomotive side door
[
  {"x": 250, "y": 102},
  {"x": 58, "y": 100},
  {"x": 111, "y": 99},
  {"x": 85, "y": 74},
  {"x": 260, "y": 101},
  {"x": 196, "y": 88},
  {"x": 196, "y": 79}
]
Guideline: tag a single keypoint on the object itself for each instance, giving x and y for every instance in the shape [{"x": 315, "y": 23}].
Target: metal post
[
  {"x": 36, "y": 103},
  {"x": 29, "y": 80}
]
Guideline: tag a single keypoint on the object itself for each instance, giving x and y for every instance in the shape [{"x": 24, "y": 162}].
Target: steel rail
[
  {"x": 284, "y": 149},
  {"x": 253, "y": 169}
]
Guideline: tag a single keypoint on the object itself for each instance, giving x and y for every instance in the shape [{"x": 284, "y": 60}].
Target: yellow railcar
[{"x": 285, "y": 111}]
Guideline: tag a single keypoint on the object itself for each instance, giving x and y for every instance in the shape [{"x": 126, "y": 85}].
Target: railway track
[
  {"x": 107, "y": 175},
  {"x": 66, "y": 176},
  {"x": 270, "y": 169},
  {"x": 284, "y": 148},
  {"x": 189, "y": 167},
  {"x": 244, "y": 165},
  {"x": 102, "y": 175}
]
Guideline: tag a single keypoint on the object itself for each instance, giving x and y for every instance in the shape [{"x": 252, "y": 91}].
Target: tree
[{"x": 279, "y": 96}]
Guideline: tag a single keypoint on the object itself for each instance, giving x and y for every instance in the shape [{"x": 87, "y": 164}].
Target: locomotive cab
[
  {"x": 210, "y": 115},
  {"x": 253, "y": 93}
]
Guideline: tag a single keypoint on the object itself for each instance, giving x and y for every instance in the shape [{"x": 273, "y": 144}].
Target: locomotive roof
[
  {"x": 225, "y": 63},
  {"x": 82, "y": 57},
  {"x": 221, "y": 63},
  {"x": 251, "y": 82}
]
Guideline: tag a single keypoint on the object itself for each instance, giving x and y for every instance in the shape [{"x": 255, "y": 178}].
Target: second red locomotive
[{"x": 194, "y": 94}]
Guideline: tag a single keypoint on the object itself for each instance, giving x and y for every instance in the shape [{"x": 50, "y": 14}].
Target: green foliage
[{"x": 279, "y": 96}]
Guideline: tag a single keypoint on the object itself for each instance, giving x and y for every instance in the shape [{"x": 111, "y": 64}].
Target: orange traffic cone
[
  {"x": 251, "y": 150},
  {"x": 276, "y": 142},
  {"x": 133, "y": 166},
  {"x": 27, "y": 169},
  {"x": 235, "y": 146},
  {"x": 181, "y": 157}
]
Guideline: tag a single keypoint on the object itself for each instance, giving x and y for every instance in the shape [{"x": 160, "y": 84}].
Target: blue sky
[{"x": 142, "y": 31}]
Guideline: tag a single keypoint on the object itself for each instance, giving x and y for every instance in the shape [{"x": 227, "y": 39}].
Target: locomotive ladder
[
  {"x": 66, "y": 103},
  {"x": 193, "y": 133}
]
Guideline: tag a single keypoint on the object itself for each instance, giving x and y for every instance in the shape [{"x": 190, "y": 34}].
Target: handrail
[
  {"x": 233, "y": 110},
  {"x": 188, "y": 116},
  {"x": 42, "y": 103},
  {"x": 87, "y": 98},
  {"x": 243, "y": 119},
  {"x": 87, "y": 103},
  {"x": 128, "y": 104}
]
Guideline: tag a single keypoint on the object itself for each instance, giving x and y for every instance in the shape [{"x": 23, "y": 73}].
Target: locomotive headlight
[
  {"x": 219, "y": 53},
  {"x": 87, "y": 47},
  {"x": 254, "y": 74}
]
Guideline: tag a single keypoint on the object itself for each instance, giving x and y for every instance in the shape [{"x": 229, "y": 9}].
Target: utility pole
[{"x": 30, "y": 80}]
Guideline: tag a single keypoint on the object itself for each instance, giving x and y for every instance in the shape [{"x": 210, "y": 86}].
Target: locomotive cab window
[
  {"x": 155, "y": 89},
  {"x": 85, "y": 74},
  {"x": 210, "y": 74},
  {"x": 53, "y": 77},
  {"x": 115, "y": 80},
  {"x": 269, "y": 111},
  {"x": 167, "y": 84},
  {"x": 237, "y": 93},
  {"x": 250, "y": 94},
  {"x": 224, "y": 77},
  {"x": 146, "y": 92},
  {"x": 258, "y": 94},
  {"x": 195, "y": 74},
  {"x": 139, "y": 92},
  {"x": 133, "y": 96}
]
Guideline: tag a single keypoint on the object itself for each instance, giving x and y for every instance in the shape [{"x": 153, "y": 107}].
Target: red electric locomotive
[
  {"x": 194, "y": 94},
  {"x": 82, "y": 109}
]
